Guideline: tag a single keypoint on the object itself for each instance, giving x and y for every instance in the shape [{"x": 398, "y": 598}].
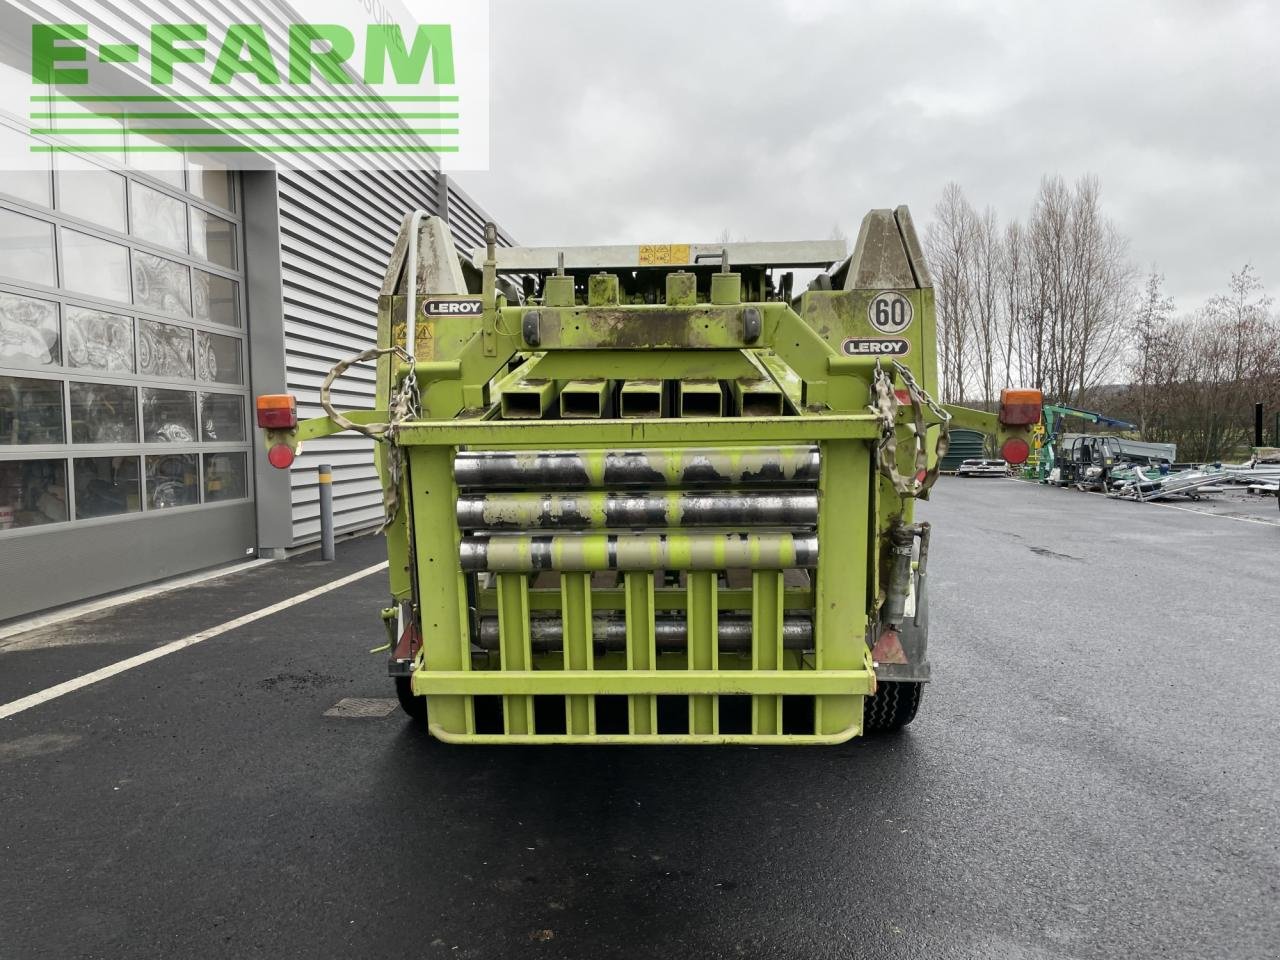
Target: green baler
[{"x": 643, "y": 495}]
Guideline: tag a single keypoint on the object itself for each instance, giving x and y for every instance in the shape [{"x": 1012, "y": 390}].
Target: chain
[
  {"x": 885, "y": 405},
  {"x": 405, "y": 405}
]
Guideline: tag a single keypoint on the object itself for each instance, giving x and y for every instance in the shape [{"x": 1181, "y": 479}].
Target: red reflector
[
  {"x": 920, "y": 475},
  {"x": 1015, "y": 451},
  {"x": 280, "y": 456},
  {"x": 277, "y": 411},
  {"x": 903, "y": 396}
]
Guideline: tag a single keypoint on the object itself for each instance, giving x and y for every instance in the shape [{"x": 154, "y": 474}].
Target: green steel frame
[{"x": 589, "y": 342}]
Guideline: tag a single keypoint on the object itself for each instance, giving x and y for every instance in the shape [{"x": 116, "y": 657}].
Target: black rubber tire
[
  {"x": 893, "y": 706},
  {"x": 415, "y": 707}
]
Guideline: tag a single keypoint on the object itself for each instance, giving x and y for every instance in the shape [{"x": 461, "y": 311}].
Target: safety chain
[
  {"x": 405, "y": 405},
  {"x": 885, "y": 405}
]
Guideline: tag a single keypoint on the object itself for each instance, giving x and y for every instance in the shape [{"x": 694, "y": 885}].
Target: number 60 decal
[{"x": 889, "y": 312}]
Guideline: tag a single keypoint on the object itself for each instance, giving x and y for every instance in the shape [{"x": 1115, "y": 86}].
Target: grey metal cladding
[{"x": 337, "y": 232}]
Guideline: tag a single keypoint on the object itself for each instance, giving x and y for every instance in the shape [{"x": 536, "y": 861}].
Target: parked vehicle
[{"x": 983, "y": 468}]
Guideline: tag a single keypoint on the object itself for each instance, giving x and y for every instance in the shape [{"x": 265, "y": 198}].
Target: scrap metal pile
[{"x": 1260, "y": 474}]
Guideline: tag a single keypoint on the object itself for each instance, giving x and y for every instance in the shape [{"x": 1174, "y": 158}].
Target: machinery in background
[
  {"x": 1052, "y": 416},
  {"x": 1093, "y": 461}
]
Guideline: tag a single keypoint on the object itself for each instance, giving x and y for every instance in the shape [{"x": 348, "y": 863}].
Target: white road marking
[
  {"x": 106, "y": 603},
  {"x": 1220, "y": 516},
  {"x": 77, "y": 683},
  {"x": 1174, "y": 506}
]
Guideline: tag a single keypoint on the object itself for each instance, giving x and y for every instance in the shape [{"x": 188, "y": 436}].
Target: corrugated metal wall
[{"x": 336, "y": 235}]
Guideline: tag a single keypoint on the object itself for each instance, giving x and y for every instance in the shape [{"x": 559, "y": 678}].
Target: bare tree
[
  {"x": 1150, "y": 354},
  {"x": 1084, "y": 287},
  {"x": 1206, "y": 371},
  {"x": 985, "y": 268},
  {"x": 950, "y": 240}
]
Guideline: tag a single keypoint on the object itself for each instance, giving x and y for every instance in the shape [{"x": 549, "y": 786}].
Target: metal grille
[{"x": 655, "y": 594}]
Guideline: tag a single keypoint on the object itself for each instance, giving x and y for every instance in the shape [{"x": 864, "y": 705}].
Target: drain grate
[{"x": 361, "y": 708}]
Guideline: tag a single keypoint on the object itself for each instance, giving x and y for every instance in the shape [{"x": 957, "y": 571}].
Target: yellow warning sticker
[{"x": 663, "y": 254}]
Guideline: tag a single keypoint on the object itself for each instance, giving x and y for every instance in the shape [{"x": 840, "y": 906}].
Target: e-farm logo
[{"x": 258, "y": 88}]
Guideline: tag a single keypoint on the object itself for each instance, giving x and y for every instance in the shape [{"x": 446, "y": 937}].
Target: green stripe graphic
[
  {"x": 228, "y": 98},
  {"x": 238, "y": 148},
  {"x": 246, "y": 115},
  {"x": 228, "y": 131}
]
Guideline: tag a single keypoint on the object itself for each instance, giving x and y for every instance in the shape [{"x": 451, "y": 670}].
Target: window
[
  {"x": 90, "y": 193},
  {"x": 33, "y": 183},
  {"x": 26, "y": 249},
  {"x": 164, "y": 350},
  {"x": 158, "y": 217},
  {"x": 221, "y": 417},
  {"x": 169, "y": 416},
  {"x": 30, "y": 411},
  {"x": 118, "y": 349},
  {"x": 28, "y": 332},
  {"x": 99, "y": 341},
  {"x": 218, "y": 358},
  {"x": 161, "y": 285},
  {"x": 103, "y": 413},
  {"x": 213, "y": 238},
  {"x": 217, "y": 299},
  {"x": 32, "y": 493},
  {"x": 97, "y": 267},
  {"x": 226, "y": 477},
  {"x": 172, "y": 481},
  {"x": 211, "y": 181},
  {"x": 106, "y": 486}
]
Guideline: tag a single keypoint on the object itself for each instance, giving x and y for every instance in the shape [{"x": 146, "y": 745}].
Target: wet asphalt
[{"x": 1093, "y": 774}]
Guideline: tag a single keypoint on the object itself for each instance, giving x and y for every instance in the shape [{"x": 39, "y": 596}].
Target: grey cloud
[{"x": 621, "y": 121}]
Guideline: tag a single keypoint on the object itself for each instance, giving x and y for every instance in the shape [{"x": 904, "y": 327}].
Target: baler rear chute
[{"x": 640, "y": 495}]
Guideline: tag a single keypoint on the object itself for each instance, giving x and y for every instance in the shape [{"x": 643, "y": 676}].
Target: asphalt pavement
[{"x": 1093, "y": 774}]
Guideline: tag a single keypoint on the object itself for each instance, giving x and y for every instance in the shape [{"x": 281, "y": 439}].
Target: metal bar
[
  {"x": 700, "y": 398},
  {"x": 768, "y": 640},
  {"x": 841, "y": 604},
  {"x": 528, "y": 399},
  {"x": 650, "y": 740},
  {"x": 584, "y": 683},
  {"x": 575, "y": 598},
  {"x": 704, "y": 711},
  {"x": 642, "y": 400},
  {"x": 525, "y": 553},
  {"x": 665, "y": 598},
  {"x": 325, "y": 479},
  {"x": 608, "y": 511},
  {"x": 658, "y": 467},
  {"x": 515, "y": 646},
  {"x": 788, "y": 253},
  {"x": 611, "y": 632},
  {"x": 642, "y": 653},
  {"x": 442, "y": 590},
  {"x": 584, "y": 399},
  {"x": 755, "y": 397},
  {"x": 633, "y": 364},
  {"x": 633, "y": 434}
]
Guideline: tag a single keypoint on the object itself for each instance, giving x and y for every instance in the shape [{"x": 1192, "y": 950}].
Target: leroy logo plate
[
  {"x": 876, "y": 347},
  {"x": 471, "y": 307}
]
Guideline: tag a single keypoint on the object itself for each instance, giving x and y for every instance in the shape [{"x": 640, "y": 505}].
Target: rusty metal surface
[
  {"x": 609, "y": 633},
  {"x": 601, "y": 511},
  {"x": 656, "y": 467}
]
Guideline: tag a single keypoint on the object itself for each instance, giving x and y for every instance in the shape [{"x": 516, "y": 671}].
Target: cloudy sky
[{"x": 662, "y": 121}]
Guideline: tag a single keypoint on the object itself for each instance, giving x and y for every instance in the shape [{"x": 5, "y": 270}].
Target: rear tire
[
  {"x": 893, "y": 706},
  {"x": 415, "y": 707}
]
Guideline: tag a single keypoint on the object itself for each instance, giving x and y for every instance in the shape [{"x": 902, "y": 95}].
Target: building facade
[{"x": 140, "y": 312}]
